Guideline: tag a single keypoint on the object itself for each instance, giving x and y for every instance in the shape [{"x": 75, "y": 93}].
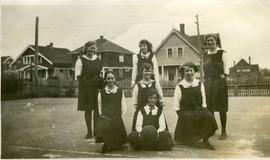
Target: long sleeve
[
  {"x": 123, "y": 104},
  {"x": 134, "y": 69},
  {"x": 78, "y": 68},
  {"x": 225, "y": 59},
  {"x": 135, "y": 93},
  {"x": 160, "y": 92},
  {"x": 203, "y": 96},
  {"x": 139, "y": 122},
  {"x": 155, "y": 68},
  {"x": 99, "y": 103},
  {"x": 162, "y": 123},
  {"x": 177, "y": 98}
]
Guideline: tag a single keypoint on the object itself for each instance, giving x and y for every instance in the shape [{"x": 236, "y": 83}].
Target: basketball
[{"x": 149, "y": 133}]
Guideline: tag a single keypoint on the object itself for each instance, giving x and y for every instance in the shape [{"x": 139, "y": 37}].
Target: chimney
[
  {"x": 233, "y": 63},
  {"x": 182, "y": 28},
  {"x": 51, "y": 46},
  {"x": 101, "y": 37},
  {"x": 249, "y": 60}
]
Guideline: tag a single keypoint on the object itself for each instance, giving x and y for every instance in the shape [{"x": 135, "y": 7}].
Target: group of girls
[{"x": 149, "y": 127}]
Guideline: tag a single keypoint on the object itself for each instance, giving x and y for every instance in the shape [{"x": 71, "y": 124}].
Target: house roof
[
  {"x": 243, "y": 63},
  {"x": 4, "y": 59},
  {"x": 104, "y": 45},
  {"x": 192, "y": 40},
  {"x": 55, "y": 56}
]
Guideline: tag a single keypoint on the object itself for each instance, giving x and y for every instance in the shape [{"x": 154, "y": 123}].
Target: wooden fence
[{"x": 70, "y": 88}]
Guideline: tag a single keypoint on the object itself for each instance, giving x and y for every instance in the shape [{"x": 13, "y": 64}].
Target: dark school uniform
[
  {"x": 151, "y": 116},
  {"x": 215, "y": 87},
  {"x": 140, "y": 99},
  {"x": 194, "y": 121},
  {"x": 110, "y": 127}
]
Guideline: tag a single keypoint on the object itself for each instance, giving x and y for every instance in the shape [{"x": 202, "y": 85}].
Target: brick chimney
[
  {"x": 249, "y": 60},
  {"x": 182, "y": 28},
  {"x": 101, "y": 37}
]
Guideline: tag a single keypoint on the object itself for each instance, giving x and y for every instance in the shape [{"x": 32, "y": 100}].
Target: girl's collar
[
  {"x": 189, "y": 84},
  {"x": 215, "y": 51},
  {"x": 113, "y": 90},
  {"x": 94, "y": 57}
]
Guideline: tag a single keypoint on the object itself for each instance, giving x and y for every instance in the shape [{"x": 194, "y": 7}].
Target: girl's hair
[
  {"x": 109, "y": 72},
  {"x": 145, "y": 66},
  {"x": 149, "y": 45},
  {"x": 150, "y": 92},
  {"x": 214, "y": 36},
  {"x": 188, "y": 64},
  {"x": 87, "y": 44}
]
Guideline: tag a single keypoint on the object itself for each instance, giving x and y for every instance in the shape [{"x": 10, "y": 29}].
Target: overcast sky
[{"x": 243, "y": 25}]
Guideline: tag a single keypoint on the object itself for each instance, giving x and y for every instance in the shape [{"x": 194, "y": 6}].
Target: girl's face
[
  {"x": 211, "y": 42},
  {"x": 91, "y": 50},
  {"x": 143, "y": 48},
  {"x": 110, "y": 79},
  {"x": 147, "y": 73},
  {"x": 189, "y": 72},
  {"x": 152, "y": 99}
]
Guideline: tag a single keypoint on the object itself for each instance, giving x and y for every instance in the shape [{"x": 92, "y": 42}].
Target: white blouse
[
  {"x": 178, "y": 95},
  {"x": 135, "y": 92},
  {"x": 139, "y": 122},
  {"x": 112, "y": 91}
]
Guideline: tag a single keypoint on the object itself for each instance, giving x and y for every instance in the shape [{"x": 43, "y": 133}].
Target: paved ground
[{"x": 51, "y": 127}]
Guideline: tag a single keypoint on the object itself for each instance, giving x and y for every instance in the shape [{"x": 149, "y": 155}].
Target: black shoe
[
  {"x": 208, "y": 145},
  {"x": 88, "y": 136}
]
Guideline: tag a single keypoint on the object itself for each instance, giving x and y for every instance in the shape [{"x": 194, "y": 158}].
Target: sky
[{"x": 243, "y": 25}]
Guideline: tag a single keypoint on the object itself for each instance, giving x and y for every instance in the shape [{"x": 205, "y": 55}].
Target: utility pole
[
  {"x": 200, "y": 48},
  {"x": 36, "y": 53}
]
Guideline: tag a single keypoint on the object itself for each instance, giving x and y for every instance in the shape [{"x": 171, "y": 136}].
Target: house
[
  {"x": 113, "y": 57},
  {"x": 244, "y": 71},
  {"x": 53, "y": 62},
  {"x": 5, "y": 62},
  {"x": 176, "y": 49}
]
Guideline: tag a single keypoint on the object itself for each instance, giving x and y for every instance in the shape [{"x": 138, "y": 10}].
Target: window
[
  {"x": 61, "y": 70},
  {"x": 40, "y": 60},
  {"x": 121, "y": 58},
  {"x": 170, "y": 53},
  {"x": 180, "y": 53},
  {"x": 121, "y": 74}
]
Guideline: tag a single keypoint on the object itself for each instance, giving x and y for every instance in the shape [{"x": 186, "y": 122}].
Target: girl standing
[
  {"x": 141, "y": 88},
  {"x": 194, "y": 121},
  {"x": 112, "y": 106},
  {"x": 216, "y": 71},
  {"x": 87, "y": 71},
  {"x": 146, "y": 55}
]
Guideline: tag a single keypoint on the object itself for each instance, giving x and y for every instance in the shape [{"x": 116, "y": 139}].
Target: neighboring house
[
  {"x": 113, "y": 57},
  {"x": 52, "y": 62},
  {"x": 244, "y": 71},
  {"x": 176, "y": 49},
  {"x": 5, "y": 62}
]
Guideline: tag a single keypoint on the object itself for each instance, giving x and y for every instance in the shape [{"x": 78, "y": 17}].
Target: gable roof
[
  {"x": 103, "y": 45},
  {"x": 244, "y": 63},
  {"x": 51, "y": 54},
  {"x": 192, "y": 41},
  {"x": 4, "y": 59},
  {"x": 55, "y": 55}
]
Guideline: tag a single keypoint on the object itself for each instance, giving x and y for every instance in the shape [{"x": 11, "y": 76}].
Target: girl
[
  {"x": 151, "y": 116},
  {"x": 146, "y": 55},
  {"x": 216, "y": 71},
  {"x": 194, "y": 121},
  {"x": 87, "y": 71},
  {"x": 112, "y": 106},
  {"x": 141, "y": 88}
]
